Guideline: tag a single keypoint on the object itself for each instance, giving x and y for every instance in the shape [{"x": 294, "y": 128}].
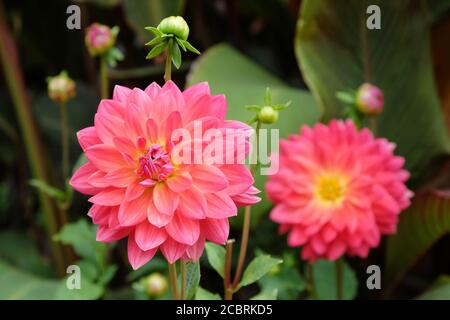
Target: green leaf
[
  {"x": 143, "y": 13},
  {"x": 157, "y": 50},
  {"x": 175, "y": 54},
  {"x": 18, "y": 285},
  {"x": 155, "y": 31},
  {"x": 266, "y": 295},
  {"x": 346, "y": 97},
  {"x": 324, "y": 276},
  {"x": 336, "y": 52},
  {"x": 244, "y": 82},
  {"x": 253, "y": 107},
  {"x": 82, "y": 237},
  {"x": 181, "y": 43},
  {"x": 440, "y": 290},
  {"x": 216, "y": 257},
  {"x": 420, "y": 226},
  {"x": 257, "y": 269},
  {"x": 192, "y": 279},
  {"x": 87, "y": 291},
  {"x": 190, "y": 47},
  {"x": 203, "y": 294},
  {"x": 107, "y": 275},
  {"x": 51, "y": 191},
  {"x": 155, "y": 41}
]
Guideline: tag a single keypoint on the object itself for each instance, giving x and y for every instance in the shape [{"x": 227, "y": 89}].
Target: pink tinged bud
[
  {"x": 99, "y": 39},
  {"x": 370, "y": 99},
  {"x": 61, "y": 88},
  {"x": 156, "y": 285}
]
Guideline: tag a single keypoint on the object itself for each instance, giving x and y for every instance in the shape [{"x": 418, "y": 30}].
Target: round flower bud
[
  {"x": 99, "y": 39},
  {"x": 174, "y": 25},
  {"x": 156, "y": 284},
  {"x": 268, "y": 115},
  {"x": 61, "y": 88},
  {"x": 369, "y": 99}
]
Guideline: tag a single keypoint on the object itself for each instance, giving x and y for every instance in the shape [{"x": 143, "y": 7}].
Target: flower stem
[
  {"x": 228, "y": 293},
  {"x": 104, "y": 82},
  {"x": 65, "y": 140},
  {"x": 183, "y": 279},
  {"x": 15, "y": 81},
  {"x": 310, "y": 281},
  {"x": 173, "y": 280},
  {"x": 339, "y": 279},
  {"x": 168, "y": 69},
  {"x": 247, "y": 218}
]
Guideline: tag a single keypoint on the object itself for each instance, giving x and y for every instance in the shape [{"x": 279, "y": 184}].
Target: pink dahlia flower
[
  {"x": 140, "y": 191},
  {"x": 338, "y": 190}
]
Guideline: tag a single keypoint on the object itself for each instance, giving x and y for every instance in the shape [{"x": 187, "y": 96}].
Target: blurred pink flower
[
  {"x": 139, "y": 190},
  {"x": 370, "y": 99},
  {"x": 338, "y": 190}
]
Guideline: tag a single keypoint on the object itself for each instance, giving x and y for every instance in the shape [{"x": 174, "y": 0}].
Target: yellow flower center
[{"x": 330, "y": 189}]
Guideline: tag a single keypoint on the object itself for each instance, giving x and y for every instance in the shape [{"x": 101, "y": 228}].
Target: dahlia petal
[
  {"x": 194, "y": 252},
  {"x": 216, "y": 230},
  {"x": 121, "y": 93},
  {"x": 165, "y": 200},
  {"x": 247, "y": 198},
  {"x": 336, "y": 249},
  {"x": 88, "y": 137},
  {"x": 124, "y": 145},
  {"x": 110, "y": 107},
  {"x": 106, "y": 234},
  {"x": 134, "y": 212},
  {"x": 220, "y": 205},
  {"x": 105, "y": 157},
  {"x": 135, "y": 122},
  {"x": 172, "y": 250},
  {"x": 239, "y": 178},
  {"x": 296, "y": 237},
  {"x": 147, "y": 236},
  {"x": 192, "y": 204},
  {"x": 152, "y": 90},
  {"x": 108, "y": 127},
  {"x": 97, "y": 179},
  {"x": 167, "y": 127},
  {"x": 183, "y": 230},
  {"x": 108, "y": 197},
  {"x": 134, "y": 190},
  {"x": 136, "y": 256},
  {"x": 120, "y": 178},
  {"x": 79, "y": 180},
  {"x": 179, "y": 182},
  {"x": 152, "y": 130},
  {"x": 208, "y": 178}
]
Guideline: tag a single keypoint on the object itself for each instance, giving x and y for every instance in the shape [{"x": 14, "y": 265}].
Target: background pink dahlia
[
  {"x": 338, "y": 190},
  {"x": 140, "y": 192}
]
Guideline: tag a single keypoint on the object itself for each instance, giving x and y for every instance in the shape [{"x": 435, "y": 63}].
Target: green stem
[
  {"x": 247, "y": 219},
  {"x": 65, "y": 140},
  {"x": 183, "y": 280},
  {"x": 228, "y": 293},
  {"x": 33, "y": 146},
  {"x": 339, "y": 279},
  {"x": 168, "y": 69},
  {"x": 310, "y": 281},
  {"x": 104, "y": 82},
  {"x": 173, "y": 280}
]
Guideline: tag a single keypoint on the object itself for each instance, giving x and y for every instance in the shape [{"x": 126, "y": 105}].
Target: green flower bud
[
  {"x": 61, "y": 88},
  {"x": 268, "y": 115},
  {"x": 156, "y": 285},
  {"x": 174, "y": 25}
]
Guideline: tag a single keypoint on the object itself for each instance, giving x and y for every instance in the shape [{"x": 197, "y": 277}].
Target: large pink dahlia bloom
[
  {"x": 141, "y": 192},
  {"x": 337, "y": 191}
]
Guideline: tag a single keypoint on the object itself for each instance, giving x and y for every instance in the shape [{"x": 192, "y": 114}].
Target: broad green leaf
[
  {"x": 216, "y": 257},
  {"x": 257, "y": 268},
  {"x": 203, "y": 294},
  {"x": 438, "y": 291},
  {"x": 175, "y": 54},
  {"x": 18, "y": 285},
  {"x": 286, "y": 280},
  {"x": 192, "y": 279},
  {"x": 266, "y": 295},
  {"x": 87, "y": 291},
  {"x": 324, "y": 276},
  {"x": 420, "y": 226},
  {"x": 18, "y": 250},
  {"x": 337, "y": 52},
  {"x": 107, "y": 275},
  {"x": 157, "y": 50},
  {"x": 82, "y": 237},
  {"x": 149, "y": 13},
  {"x": 244, "y": 83}
]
